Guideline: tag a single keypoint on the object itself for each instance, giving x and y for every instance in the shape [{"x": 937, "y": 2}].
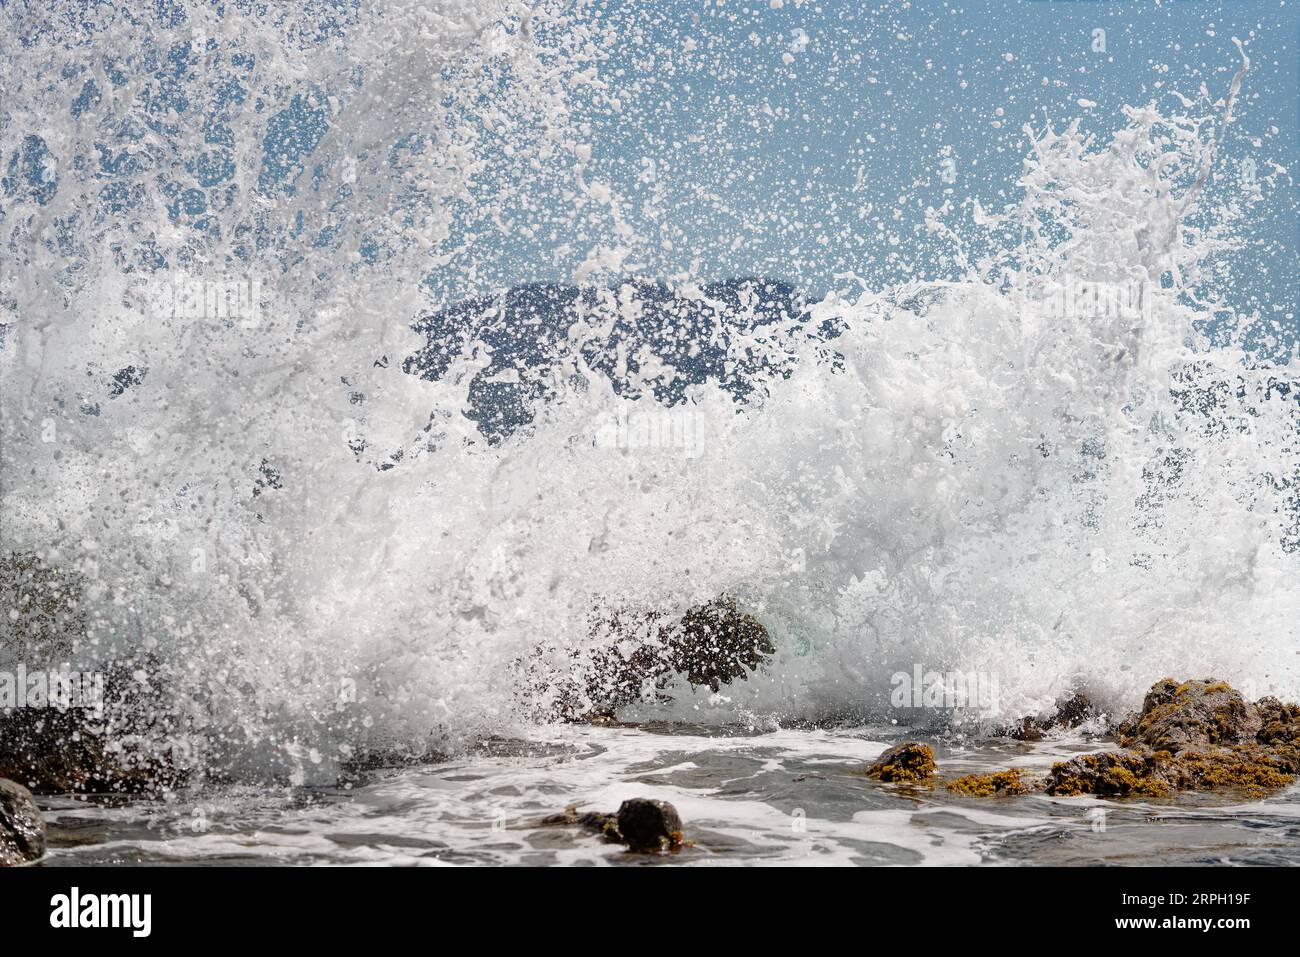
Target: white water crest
[{"x": 1040, "y": 466}]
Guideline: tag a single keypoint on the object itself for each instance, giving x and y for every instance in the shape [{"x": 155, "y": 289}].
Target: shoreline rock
[
  {"x": 1189, "y": 736},
  {"x": 1008, "y": 782},
  {"x": 644, "y": 825},
  {"x": 22, "y": 829},
  {"x": 905, "y": 763},
  {"x": 1198, "y": 735}
]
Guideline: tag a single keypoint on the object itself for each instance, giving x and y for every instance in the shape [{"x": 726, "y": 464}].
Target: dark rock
[
  {"x": 717, "y": 643},
  {"x": 22, "y": 829},
  {"x": 1074, "y": 711},
  {"x": 904, "y": 763},
  {"x": 604, "y": 824},
  {"x": 646, "y": 825},
  {"x": 1108, "y": 774},
  {"x": 711, "y": 645},
  {"x": 121, "y": 749},
  {"x": 1071, "y": 713},
  {"x": 1193, "y": 714},
  {"x": 640, "y": 823},
  {"x": 121, "y": 742}
]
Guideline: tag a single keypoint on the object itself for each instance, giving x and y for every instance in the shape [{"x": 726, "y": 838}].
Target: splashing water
[{"x": 1056, "y": 465}]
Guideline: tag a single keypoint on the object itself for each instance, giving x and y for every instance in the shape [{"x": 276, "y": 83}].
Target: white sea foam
[{"x": 980, "y": 473}]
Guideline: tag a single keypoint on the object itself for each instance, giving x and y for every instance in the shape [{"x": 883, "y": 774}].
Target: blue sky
[{"x": 802, "y": 140}]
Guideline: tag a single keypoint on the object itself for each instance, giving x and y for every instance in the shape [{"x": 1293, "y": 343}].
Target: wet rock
[
  {"x": 904, "y": 763},
  {"x": 604, "y": 824},
  {"x": 357, "y": 766},
  {"x": 711, "y": 645},
  {"x": 1279, "y": 732},
  {"x": 1074, "y": 711},
  {"x": 1008, "y": 782},
  {"x": 1199, "y": 735},
  {"x": 22, "y": 829},
  {"x": 1145, "y": 773},
  {"x": 642, "y": 824},
  {"x": 1109, "y": 774},
  {"x": 1176, "y": 716},
  {"x": 120, "y": 747},
  {"x": 1071, "y": 713},
  {"x": 717, "y": 643},
  {"x": 119, "y": 741},
  {"x": 647, "y": 825}
]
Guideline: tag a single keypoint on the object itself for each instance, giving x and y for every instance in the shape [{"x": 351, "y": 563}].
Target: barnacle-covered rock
[
  {"x": 1008, "y": 782},
  {"x": 904, "y": 763}
]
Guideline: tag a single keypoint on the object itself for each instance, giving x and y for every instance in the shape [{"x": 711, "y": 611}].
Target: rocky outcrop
[
  {"x": 1176, "y": 716},
  {"x": 1146, "y": 773},
  {"x": 711, "y": 645},
  {"x": 642, "y": 824},
  {"x": 717, "y": 644},
  {"x": 905, "y": 763},
  {"x": 1199, "y": 735},
  {"x": 1071, "y": 713},
  {"x": 1191, "y": 736},
  {"x": 22, "y": 829},
  {"x": 111, "y": 740},
  {"x": 54, "y": 751}
]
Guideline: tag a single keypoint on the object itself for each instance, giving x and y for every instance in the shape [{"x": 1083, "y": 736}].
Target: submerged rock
[
  {"x": 606, "y": 824},
  {"x": 22, "y": 829},
  {"x": 643, "y": 824},
  {"x": 904, "y": 763}
]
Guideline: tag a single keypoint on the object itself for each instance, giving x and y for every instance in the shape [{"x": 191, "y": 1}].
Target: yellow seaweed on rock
[
  {"x": 1006, "y": 782},
  {"x": 904, "y": 763}
]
